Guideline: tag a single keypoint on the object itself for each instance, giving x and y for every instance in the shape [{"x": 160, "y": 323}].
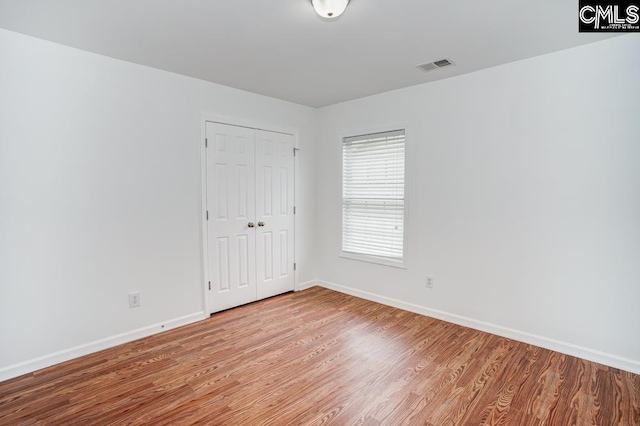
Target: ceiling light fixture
[{"x": 329, "y": 9}]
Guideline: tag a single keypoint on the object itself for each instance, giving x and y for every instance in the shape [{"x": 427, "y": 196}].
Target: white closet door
[
  {"x": 274, "y": 213},
  {"x": 231, "y": 209}
]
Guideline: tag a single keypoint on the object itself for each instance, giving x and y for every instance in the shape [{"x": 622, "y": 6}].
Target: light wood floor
[{"x": 321, "y": 357}]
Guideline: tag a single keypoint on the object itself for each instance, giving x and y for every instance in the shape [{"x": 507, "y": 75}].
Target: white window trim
[
  {"x": 370, "y": 258},
  {"x": 373, "y": 259}
]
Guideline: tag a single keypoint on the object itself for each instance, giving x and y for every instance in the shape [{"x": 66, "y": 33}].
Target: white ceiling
[{"x": 281, "y": 48}]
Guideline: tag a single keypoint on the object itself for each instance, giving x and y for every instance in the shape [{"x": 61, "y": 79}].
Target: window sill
[{"x": 373, "y": 259}]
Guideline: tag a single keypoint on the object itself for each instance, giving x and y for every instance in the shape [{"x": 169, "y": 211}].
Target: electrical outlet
[
  {"x": 429, "y": 282},
  {"x": 134, "y": 299}
]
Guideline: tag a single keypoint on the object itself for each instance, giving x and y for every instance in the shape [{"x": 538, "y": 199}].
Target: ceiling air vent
[{"x": 435, "y": 65}]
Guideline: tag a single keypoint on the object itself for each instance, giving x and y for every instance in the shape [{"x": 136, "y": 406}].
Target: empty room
[{"x": 306, "y": 212}]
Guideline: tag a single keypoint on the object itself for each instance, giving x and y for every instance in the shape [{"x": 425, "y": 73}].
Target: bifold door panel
[
  {"x": 250, "y": 187},
  {"x": 274, "y": 212}
]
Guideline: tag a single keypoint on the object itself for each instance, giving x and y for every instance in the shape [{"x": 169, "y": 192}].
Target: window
[{"x": 373, "y": 197}]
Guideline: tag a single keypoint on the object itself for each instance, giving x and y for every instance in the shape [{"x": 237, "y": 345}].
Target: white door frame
[{"x": 215, "y": 118}]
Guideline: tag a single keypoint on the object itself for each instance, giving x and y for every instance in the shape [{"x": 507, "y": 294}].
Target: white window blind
[{"x": 373, "y": 194}]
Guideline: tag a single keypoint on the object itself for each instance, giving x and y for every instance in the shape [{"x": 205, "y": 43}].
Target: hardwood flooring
[{"x": 320, "y": 357}]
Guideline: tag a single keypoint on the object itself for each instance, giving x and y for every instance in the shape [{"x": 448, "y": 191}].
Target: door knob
[
  {"x": 261, "y": 223},
  {"x": 250, "y": 225}
]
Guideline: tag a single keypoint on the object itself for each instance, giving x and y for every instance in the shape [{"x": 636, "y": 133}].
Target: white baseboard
[
  {"x": 306, "y": 285},
  {"x": 95, "y": 346},
  {"x": 611, "y": 360}
]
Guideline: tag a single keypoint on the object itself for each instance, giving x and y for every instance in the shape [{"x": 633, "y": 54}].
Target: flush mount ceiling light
[{"x": 329, "y": 9}]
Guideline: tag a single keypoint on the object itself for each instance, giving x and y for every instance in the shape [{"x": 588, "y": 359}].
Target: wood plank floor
[{"x": 320, "y": 357}]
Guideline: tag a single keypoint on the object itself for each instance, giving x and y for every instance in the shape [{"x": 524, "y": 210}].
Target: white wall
[
  {"x": 100, "y": 195},
  {"x": 523, "y": 199}
]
